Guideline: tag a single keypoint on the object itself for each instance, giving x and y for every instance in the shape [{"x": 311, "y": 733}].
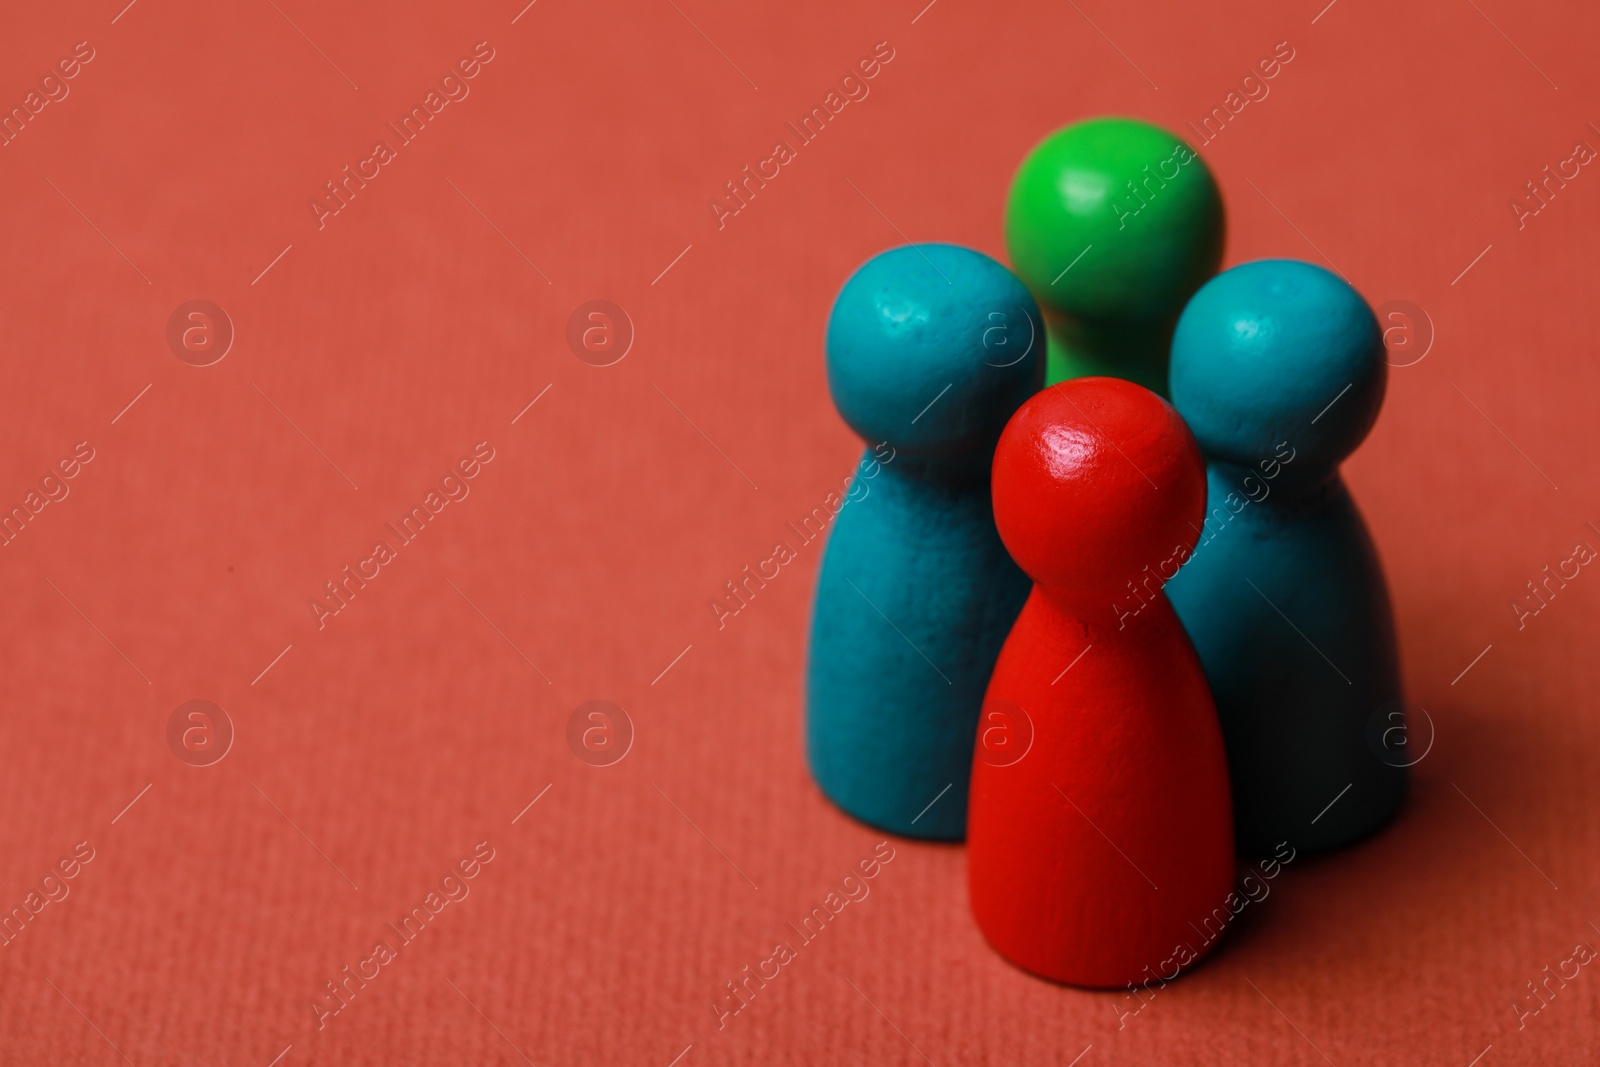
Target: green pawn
[{"x": 1113, "y": 224}]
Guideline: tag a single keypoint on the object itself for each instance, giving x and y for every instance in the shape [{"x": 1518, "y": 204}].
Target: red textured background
[{"x": 413, "y": 326}]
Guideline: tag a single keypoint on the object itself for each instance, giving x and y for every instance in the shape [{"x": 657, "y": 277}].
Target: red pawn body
[{"x": 1103, "y": 853}]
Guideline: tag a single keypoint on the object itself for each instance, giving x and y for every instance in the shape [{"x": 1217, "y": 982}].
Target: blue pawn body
[
  {"x": 1278, "y": 368},
  {"x": 930, "y": 350}
]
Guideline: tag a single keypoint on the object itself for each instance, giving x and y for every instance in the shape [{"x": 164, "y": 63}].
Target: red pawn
[{"x": 1103, "y": 853}]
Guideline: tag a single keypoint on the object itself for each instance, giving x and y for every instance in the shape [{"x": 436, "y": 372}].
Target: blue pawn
[
  {"x": 1278, "y": 367},
  {"x": 930, "y": 350}
]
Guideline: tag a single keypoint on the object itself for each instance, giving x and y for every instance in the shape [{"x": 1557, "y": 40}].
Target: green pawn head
[{"x": 1113, "y": 224}]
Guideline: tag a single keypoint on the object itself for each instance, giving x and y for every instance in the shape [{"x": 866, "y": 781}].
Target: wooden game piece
[
  {"x": 930, "y": 350},
  {"x": 1278, "y": 367},
  {"x": 1113, "y": 224},
  {"x": 1105, "y": 853}
]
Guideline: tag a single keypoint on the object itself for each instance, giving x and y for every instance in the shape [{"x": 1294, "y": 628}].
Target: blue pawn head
[
  {"x": 1279, "y": 352},
  {"x": 931, "y": 348}
]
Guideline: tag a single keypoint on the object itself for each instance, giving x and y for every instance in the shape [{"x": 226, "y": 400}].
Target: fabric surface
[{"x": 384, "y": 756}]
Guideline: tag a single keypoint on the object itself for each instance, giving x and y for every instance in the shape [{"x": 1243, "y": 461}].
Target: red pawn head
[{"x": 1095, "y": 479}]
